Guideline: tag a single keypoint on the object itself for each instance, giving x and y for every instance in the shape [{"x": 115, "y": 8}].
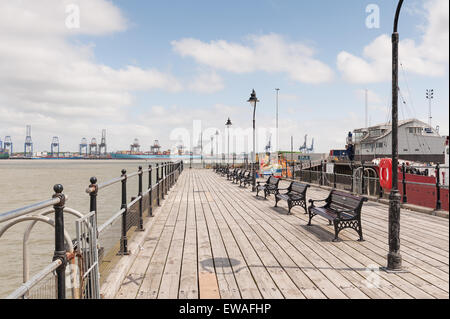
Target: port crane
[
  {"x": 8, "y": 145},
  {"x": 84, "y": 146},
  {"x": 28, "y": 146},
  {"x": 155, "y": 148},
  {"x": 135, "y": 147},
  {"x": 269, "y": 144},
  {"x": 93, "y": 147},
  {"x": 102, "y": 147},
  {"x": 54, "y": 145}
]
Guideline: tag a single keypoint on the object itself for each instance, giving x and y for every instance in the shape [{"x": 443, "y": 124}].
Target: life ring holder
[{"x": 386, "y": 173}]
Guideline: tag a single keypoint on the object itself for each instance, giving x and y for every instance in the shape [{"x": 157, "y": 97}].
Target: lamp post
[
  {"x": 228, "y": 125},
  {"x": 394, "y": 258},
  {"x": 253, "y": 100},
  {"x": 430, "y": 96},
  {"x": 278, "y": 135}
]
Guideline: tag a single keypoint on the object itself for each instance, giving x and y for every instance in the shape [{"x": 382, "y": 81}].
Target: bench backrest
[
  {"x": 298, "y": 188},
  {"x": 344, "y": 201},
  {"x": 273, "y": 181}
]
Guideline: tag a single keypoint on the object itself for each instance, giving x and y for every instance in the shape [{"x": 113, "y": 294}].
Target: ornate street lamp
[
  {"x": 394, "y": 258},
  {"x": 253, "y": 100},
  {"x": 228, "y": 125}
]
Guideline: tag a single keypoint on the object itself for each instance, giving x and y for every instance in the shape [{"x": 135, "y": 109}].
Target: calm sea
[{"x": 24, "y": 182}]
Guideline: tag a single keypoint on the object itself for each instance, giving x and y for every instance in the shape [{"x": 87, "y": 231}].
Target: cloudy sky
[{"x": 149, "y": 69}]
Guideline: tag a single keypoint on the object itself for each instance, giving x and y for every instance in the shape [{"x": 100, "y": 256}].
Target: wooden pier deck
[{"x": 212, "y": 239}]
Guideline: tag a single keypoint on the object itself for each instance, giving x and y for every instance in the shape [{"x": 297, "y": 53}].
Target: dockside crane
[
  {"x": 8, "y": 145},
  {"x": 155, "y": 148},
  {"x": 304, "y": 147},
  {"x": 55, "y": 145},
  {"x": 102, "y": 147},
  {"x": 136, "y": 146},
  {"x": 84, "y": 146},
  {"x": 28, "y": 146},
  {"x": 93, "y": 147}
]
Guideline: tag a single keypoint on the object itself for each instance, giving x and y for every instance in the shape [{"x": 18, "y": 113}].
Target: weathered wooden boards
[{"x": 212, "y": 239}]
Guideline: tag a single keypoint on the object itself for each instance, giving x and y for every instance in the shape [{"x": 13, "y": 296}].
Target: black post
[
  {"x": 405, "y": 199},
  {"x": 141, "y": 218},
  {"x": 334, "y": 175},
  {"x": 352, "y": 178},
  {"x": 93, "y": 197},
  {"x": 124, "y": 239},
  {"x": 157, "y": 185},
  {"x": 363, "y": 186},
  {"x": 150, "y": 194},
  {"x": 190, "y": 161},
  {"x": 321, "y": 173},
  {"x": 438, "y": 188},
  {"x": 166, "y": 175},
  {"x": 301, "y": 170},
  {"x": 310, "y": 171},
  {"x": 60, "y": 248},
  {"x": 163, "y": 180},
  {"x": 394, "y": 258}
]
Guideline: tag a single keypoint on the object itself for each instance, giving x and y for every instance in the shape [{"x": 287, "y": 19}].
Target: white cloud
[
  {"x": 57, "y": 86},
  {"x": 269, "y": 53},
  {"x": 429, "y": 58},
  {"x": 207, "y": 82}
]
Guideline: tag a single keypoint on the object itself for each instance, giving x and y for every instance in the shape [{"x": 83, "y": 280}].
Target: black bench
[
  {"x": 295, "y": 196},
  {"x": 232, "y": 173},
  {"x": 245, "y": 178},
  {"x": 270, "y": 187},
  {"x": 235, "y": 177},
  {"x": 341, "y": 209}
]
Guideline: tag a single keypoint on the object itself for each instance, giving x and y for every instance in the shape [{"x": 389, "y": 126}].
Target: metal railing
[
  {"x": 84, "y": 252},
  {"x": 361, "y": 178}
]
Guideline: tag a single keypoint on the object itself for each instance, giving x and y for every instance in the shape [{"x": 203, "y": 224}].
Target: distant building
[{"x": 417, "y": 141}]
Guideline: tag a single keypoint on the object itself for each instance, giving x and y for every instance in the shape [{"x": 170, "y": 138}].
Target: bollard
[
  {"x": 404, "y": 199},
  {"x": 141, "y": 219},
  {"x": 438, "y": 188},
  {"x": 150, "y": 194},
  {"x": 60, "y": 248},
  {"x": 93, "y": 197},
  {"x": 124, "y": 239}
]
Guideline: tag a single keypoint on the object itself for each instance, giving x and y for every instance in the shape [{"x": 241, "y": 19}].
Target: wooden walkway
[{"x": 212, "y": 239}]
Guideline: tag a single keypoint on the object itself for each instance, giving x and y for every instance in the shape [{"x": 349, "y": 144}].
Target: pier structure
[{"x": 212, "y": 239}]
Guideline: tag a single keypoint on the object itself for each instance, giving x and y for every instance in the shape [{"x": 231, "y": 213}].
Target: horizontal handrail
[
  {"x": 26, "y": 287},
  {"x": 111, "y": 220},
  {"x": 28, "y": 209}
]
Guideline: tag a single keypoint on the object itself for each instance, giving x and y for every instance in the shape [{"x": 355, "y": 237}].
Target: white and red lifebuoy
[{"x": 386, "y": 173}]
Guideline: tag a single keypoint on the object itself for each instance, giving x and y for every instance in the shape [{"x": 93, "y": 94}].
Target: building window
[
  {"x": 380, "y": 145},
  {"x": 415, "y": 130}
]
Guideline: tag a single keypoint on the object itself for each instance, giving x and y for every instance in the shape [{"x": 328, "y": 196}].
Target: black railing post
[
  {"x": 321, "y": 173},
  {"x": 150, "y": 194},
  {"x": 352, "y": 168},
  {"x": 93, "y": 197},
  {"x": 438, "y": 188},
  {"x": 404, "y": 199},
  {"x": 141, "y": 218},
  {"x": 124, "y": 239},
  {"x": 363, "y": 186},
  {"x": 157, "y": 185},
  {"x": 60, "y": 248},
  {"x": 310, "y": 171},
  {"x": 334, "y": 175},
  {"x": 162, "y": 178},
  {"x": 301, "y": 170}
]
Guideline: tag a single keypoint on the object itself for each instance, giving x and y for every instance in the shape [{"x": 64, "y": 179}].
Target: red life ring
[{"x": 386, "y": 173}]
